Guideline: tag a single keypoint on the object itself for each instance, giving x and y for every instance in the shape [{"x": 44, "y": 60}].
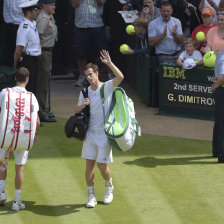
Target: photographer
[{"x": 149, "y": 11}]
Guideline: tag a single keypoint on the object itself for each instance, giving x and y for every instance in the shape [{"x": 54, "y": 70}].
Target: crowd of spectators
[
  {"x": 172, "y": 22},
  {"x": 161, "y": 29}
]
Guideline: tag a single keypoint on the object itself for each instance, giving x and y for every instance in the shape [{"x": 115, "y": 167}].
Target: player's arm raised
[{"x": 105, "y": 58}]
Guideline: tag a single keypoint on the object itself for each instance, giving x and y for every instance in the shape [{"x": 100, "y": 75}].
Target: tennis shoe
[
  {"x": 108, "y": 196},
  {"x": 17, "y": 205},
  {"x": 92, "y": 202},
  {"x": 2, "y": 198}
]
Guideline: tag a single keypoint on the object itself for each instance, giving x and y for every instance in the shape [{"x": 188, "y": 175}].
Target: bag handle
[
  {"x": 102, "y": 95},
  {"x": 85, "y": 95},
  {"x": 138, "y": 128}
]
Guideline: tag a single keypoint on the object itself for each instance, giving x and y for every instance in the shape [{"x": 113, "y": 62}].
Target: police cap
[{"x": 29, "y": 4}]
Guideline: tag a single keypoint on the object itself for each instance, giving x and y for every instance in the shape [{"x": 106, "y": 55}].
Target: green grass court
[{"x": 162, "y": 180}]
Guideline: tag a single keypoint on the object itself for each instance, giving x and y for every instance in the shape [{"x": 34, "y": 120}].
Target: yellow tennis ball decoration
[
  {"x": 130, "y": 29},
  {"x": 123, "y": 48},
  {"x": 200, "y": 36},
  {"x": 209, "y": 59}
]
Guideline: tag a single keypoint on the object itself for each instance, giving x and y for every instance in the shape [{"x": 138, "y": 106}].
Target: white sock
[
  {"x": 109, "y": 183},
  {"x": 17, "y": 194},
  {"x": 91, "y": 190},
  {"x": 2, "y": 186}
]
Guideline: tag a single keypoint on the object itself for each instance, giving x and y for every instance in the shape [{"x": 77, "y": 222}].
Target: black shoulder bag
[{"x": 77, "y": 125}]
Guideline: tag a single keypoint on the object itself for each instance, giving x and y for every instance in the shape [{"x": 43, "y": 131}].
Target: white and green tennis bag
[
  {"x": 121, "y": 127},
  {"x": 17, "y": 121}
]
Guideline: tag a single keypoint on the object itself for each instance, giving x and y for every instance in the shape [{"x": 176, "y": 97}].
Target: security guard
[
  {"x": 47, "y": 30},
  {"x": 218, "y": 88},
  {"x": 28, "y": 42}
]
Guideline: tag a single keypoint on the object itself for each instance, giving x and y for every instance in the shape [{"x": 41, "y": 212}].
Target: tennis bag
[
  {"x": 17, "y": 121},
  {"x": 121, "y": 127},
  {"x": 77, "y": 125}
]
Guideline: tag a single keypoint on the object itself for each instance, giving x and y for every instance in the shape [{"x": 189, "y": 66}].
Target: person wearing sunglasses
[{"x": 28, "y": 43}]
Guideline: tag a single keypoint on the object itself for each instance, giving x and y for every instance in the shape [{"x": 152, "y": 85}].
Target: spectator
[
  {"x": 186, "y": 11},
  {"x": 115, "y": 34},
  {"x": 142, "y": 47},
  {"x": 192, "y": 15},
  {"x": 165, "y": 33},
  {"x": 215, "y": 36},
  {"x": 190, "y": 52},
  {"x": 89, "y": 29},
  {"x": 214, "y": 4},
  {"x": 13, "y": 16},
  {"x": 149, "y": 11},
  {"x": 207, "y": 15}
]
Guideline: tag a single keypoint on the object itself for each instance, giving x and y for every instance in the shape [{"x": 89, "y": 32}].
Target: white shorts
[
  {"x": 20, "y": 156},
  {"x": 96, "y": 147}
]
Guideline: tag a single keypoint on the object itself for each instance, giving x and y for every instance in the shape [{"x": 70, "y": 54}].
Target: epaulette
[{"x": 25, "y": 26}]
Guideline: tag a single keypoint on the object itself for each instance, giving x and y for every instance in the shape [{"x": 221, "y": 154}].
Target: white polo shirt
[
  {"x": 12, "y": 12},
  {"x": 28, "y": 37}
]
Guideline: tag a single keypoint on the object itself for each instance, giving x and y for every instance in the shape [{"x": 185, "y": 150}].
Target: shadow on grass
[
  {"x": 152, "y": 162},
  {"x": 44, "y": 210}
]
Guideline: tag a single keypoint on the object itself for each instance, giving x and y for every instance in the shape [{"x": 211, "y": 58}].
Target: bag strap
[
  {"x": 85, "y": 95},
  {"x": 102, "y": 95},
  {"x": 85, "y": 92}
]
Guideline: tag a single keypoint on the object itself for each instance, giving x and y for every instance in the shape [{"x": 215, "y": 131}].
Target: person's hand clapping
[
  {"x": 165, "y": 31},
  {"x": 173, "y": 31}
]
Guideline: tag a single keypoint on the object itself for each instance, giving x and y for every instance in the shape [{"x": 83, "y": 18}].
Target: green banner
[{"x": 186, "y": 92}]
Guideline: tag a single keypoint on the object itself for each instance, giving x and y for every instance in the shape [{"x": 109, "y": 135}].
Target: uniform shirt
[
  {"x": 219, "y": 65},
  {"x": 47, "y": 28},
  {"x": 12, "y": 12},
  {"x": 88, "y": 14},
  {"x": 28, "y": 37},
  {"x": 168, "y": 45},
  {"x": 196, "y": 55},
  {"x": 19, "y": 89},
  {"x": 96, "y": 122}
]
